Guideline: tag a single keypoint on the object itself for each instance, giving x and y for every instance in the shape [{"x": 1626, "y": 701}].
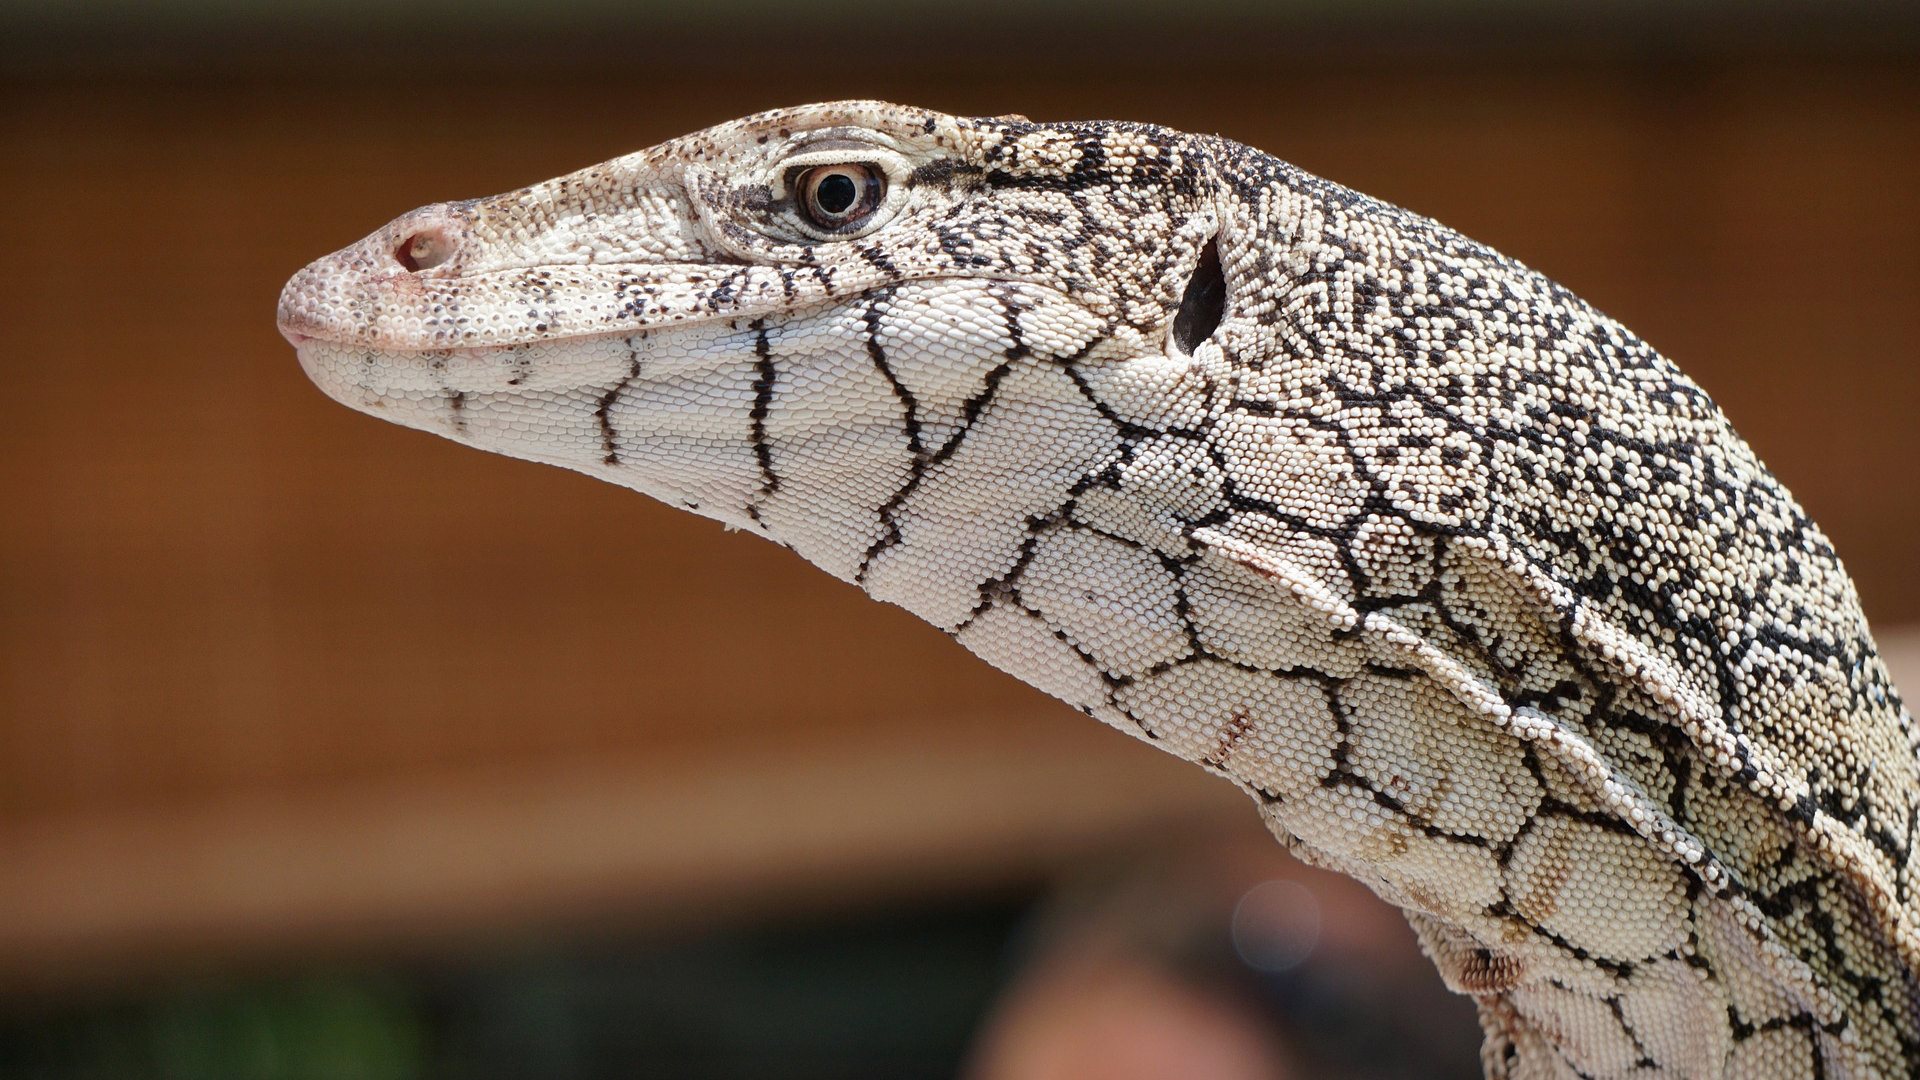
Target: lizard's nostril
[{"x": 424, "y": 250}]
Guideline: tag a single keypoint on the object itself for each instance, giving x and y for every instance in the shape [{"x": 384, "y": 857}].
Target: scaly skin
[{"x": 1476, "y": 595}]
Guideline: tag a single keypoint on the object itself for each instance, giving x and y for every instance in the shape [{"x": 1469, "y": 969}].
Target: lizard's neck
[{"x": 1401, "y": 700}]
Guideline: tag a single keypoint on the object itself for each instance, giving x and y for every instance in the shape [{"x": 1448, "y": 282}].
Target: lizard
[{"x": 1475, "y": 594}]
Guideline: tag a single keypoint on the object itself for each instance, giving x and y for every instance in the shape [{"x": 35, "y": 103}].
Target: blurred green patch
[{"x": 890, "y": 996}]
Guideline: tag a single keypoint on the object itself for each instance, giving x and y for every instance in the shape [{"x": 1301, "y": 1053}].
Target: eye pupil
[{"x": 836, "y": 194}]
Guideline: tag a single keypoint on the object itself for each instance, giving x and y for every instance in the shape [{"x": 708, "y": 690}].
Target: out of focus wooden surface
[{"x": 273, "y": 674}]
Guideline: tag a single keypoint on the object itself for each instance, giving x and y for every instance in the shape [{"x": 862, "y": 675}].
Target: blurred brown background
[{"x": 280, "y": 682}]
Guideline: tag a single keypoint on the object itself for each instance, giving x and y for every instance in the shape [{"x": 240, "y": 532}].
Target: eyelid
[
  {"x": 793, "y": 169},
  {"x": 845, "y": 138},
  {"x": 793, "y": 165},
  {"x": 833, "y": 143}
]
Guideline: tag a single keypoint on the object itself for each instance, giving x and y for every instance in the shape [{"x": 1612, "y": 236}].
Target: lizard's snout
[{"x": 374, "y": 290}]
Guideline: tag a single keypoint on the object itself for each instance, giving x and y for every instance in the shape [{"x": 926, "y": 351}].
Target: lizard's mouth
[{"x": 349, "y": 298}]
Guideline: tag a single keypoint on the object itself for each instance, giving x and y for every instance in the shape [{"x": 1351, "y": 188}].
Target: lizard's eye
[{"x": 836, "y": 197}]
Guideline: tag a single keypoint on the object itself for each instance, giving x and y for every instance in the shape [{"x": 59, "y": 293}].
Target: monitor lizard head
[{"x": 809, "y": 306}]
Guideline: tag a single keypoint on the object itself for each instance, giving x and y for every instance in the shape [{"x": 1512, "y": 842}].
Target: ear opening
[{"x": 1203, "y": 303}]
